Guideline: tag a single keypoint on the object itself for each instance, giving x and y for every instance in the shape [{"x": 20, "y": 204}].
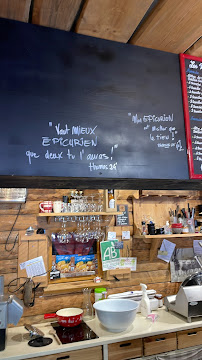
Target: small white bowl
[{"x": 116, "y": 315}]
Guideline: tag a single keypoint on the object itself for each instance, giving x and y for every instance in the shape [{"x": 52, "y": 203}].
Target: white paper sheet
[
  {"x": 111, "y": 235},
  {"x": 126, "y": 235},
  {"x": 168, "y": 247},
  {"x": 197, "y": 247},
  {"x": 129, "y": 263},
  {"x": 34, "y": 267}
]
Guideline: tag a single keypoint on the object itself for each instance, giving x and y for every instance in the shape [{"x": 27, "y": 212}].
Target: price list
[{"x": 191, "y": 74}]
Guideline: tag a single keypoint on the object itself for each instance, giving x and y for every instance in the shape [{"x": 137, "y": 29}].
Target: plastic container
[
  {"x": 145, "y": 303},
  {"x": 98, "y": 293},
  {"x": 177, "y": 228},
  {"x": 167, "y": 228}
]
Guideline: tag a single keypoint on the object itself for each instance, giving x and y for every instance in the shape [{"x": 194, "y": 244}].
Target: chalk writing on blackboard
[
  {"x": 191, "y": 69},
  {"x": 74, "y": 143},
  {"x": 160, "y": 129},
  {"x": 122, "y": 220}
]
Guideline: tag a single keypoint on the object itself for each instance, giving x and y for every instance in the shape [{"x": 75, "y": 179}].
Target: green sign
[{"x": 109, "y": 255}]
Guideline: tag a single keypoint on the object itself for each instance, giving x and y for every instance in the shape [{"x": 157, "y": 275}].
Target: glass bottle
[
  {"x": 144, "y": 230},
  {"x": 87, "y": 305},
  {"x": 111, "y": 199},
  {"x": 71, "y": 197}
]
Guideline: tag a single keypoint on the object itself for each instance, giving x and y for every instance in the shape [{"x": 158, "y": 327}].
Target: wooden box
[
  {"x": 187, "y": 338},
  {"x": 125, "y": 350},
  {"x": 159, "y": 344},
  {"x": 30, "y": 247}
]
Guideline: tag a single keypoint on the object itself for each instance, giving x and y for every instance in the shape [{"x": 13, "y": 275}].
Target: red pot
[{"x": 67, "y": 317}]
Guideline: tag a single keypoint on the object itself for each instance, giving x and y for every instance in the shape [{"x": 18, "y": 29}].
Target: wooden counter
[{"x": 17, "y": 337}]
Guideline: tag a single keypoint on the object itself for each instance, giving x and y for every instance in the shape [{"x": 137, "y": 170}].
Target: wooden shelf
[
  {"x": 81, "y": 213},
  {"x": 49, "y": 215},
  {"x": 155, "y": 240},
  {"x": 162, "y": 236},
  {"x": 186, "y": 194},
  {"x": 76, "y": 286}
]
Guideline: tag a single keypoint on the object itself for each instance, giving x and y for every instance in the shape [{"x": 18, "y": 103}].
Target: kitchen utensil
[
  {"x": 67, "y": 317},
  {"x": 46, "y": 206},
  {"x": 33, "y": 330},
  {"x": 53, "y": 332},
  {"x": 116, "y": 315},
  {"x": 11, "y": 310},
  {"x": 29, "y": 231},
  {"x": 40, "y": 341}
]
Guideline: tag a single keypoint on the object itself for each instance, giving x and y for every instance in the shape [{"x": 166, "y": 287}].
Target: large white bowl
[{"x": 116, "y": 315}]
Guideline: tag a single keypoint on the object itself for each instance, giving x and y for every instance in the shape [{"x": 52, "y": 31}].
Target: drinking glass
[
  {"x": 64, "y": 236},
  {"x": 92, "y": 204}
]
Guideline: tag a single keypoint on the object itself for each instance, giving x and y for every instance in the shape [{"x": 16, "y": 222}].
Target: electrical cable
[
  {"x": 11, "y": 232},
  {"x": 9, "y": 284}
]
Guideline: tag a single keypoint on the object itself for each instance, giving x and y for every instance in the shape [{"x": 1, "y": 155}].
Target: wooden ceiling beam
[
  {"x": 111, "y": 19},
  {"x": 15, "y": 9},
  {"x": 172, "y": 26},
  {"x": 196, "y": 49},
  {"x": 59, "y": 14}
]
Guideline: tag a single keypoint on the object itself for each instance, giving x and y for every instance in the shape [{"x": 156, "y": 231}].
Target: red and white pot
[{"x": 67, "y": 317}]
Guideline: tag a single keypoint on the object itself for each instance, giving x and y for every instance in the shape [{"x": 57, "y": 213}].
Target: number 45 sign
[{"x": 109, "y": 255}]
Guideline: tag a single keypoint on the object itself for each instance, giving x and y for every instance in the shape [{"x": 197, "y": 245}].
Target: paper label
[
  {"x": 126, "y": 235},
  {"x": 34, "y": 267},
  {"x": 109, "y": 255},
  {"x": 128, "y": 263},
  {"x": 111, "y": 235}
]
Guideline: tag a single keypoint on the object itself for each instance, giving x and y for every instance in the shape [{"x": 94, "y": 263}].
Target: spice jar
[{"x": 160, "y": 299}]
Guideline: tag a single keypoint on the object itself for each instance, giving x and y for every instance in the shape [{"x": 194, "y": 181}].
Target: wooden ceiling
[{"x": 167, "y": 25}]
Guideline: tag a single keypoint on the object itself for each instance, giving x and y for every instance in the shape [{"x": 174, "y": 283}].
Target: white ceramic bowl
[{"x": 116, "y": 315}]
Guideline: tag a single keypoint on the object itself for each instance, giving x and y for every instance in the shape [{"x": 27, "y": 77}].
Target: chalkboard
[
  {"x": 76, "y": 106},
  {"x": 191, "y": 74},
  {"x": 122, "y": 220}
]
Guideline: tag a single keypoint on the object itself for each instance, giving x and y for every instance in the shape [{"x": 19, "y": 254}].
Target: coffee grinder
[{"x": 11, "y": 310}]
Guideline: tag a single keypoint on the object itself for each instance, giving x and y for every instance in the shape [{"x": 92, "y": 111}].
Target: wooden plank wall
[{"x": 155, "y": 274}]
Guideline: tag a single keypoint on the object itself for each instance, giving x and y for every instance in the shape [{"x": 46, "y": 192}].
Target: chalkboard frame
[{"x": 192, "y": 173}]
